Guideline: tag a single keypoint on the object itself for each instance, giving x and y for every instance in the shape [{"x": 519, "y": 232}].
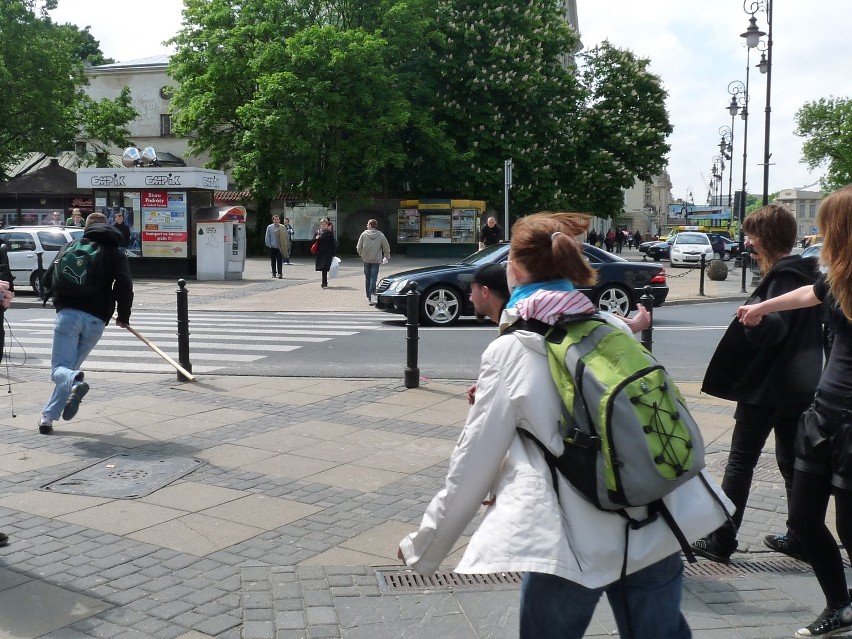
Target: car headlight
[{"x": 398, "y": 285}]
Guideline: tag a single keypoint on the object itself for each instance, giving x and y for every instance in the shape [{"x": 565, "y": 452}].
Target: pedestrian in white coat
[{"x": 571, "y": 551}]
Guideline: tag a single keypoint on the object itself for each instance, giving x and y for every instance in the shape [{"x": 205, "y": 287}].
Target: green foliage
[
  {"x": 827, "y": 125},
  {"x": 41, "y": 75},
  {"x": 84, "y": 46},
  {"x": 330, "y": 97},
  {"x": 103, "y": 123}
]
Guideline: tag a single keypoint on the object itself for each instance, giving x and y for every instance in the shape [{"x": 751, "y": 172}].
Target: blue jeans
[
  {"x": 555, "y": 608},
  {"x": 371, "y": 276},
  {"x": 75, "y": 334}
]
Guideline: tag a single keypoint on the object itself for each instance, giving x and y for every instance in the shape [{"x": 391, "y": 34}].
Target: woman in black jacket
[
  {"x": 770, "y": 370},
  {"x": 325, "y": 249}
]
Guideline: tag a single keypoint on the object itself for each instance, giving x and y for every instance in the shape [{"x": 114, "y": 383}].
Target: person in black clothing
[
  {"x": 80, "y": 322},
  {"x": 770, "y": 370},
  {"x": 637, "y": 238},
  {"x": 490, "y": 233},
  {"x": 824, "y": 440},
  {"x": 325, "y": 251},
  {"x": 592, "y": 238},
  {"x": 118, "y": 222}
]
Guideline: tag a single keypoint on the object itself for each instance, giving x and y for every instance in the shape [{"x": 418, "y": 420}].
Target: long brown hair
[
  {"x": 776, "y": 229},
  {"x": 834, "y": 220},
  {"x": 544, "y": 245}
]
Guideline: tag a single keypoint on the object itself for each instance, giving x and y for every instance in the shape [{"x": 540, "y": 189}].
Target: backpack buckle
[{"x": 578, "y": 438}]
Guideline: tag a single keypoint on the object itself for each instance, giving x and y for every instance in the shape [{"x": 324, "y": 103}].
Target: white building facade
[{"x": 804, "y": 206}]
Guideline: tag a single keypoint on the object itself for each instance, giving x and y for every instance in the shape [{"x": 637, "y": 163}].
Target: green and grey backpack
[{"x": 629, "y": 437}]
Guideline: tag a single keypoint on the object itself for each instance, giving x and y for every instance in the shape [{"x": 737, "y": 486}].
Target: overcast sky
[{"x": 693, "y": 45}]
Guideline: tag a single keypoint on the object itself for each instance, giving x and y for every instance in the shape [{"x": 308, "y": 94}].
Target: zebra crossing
[{"x": 217, "y": 340}]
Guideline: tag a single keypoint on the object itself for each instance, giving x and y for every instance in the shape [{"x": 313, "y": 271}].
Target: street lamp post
[
  {"x": 739, "y": 104},
  {"x": 752, "y": 37},
  {"x": 726, "y": 148}
]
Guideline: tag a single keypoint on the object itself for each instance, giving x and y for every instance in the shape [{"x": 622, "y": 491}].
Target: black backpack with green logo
[{"x": 76, "y": 271}]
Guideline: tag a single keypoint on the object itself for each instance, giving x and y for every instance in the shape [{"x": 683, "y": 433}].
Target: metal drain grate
[
  {"x": 743, "y": 568},
  {"x": 404, "y": 581}
]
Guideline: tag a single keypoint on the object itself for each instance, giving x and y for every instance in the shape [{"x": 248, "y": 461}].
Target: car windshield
[
  {"x": 692, "y": 238},
  {"x": 486, "y": 255}
]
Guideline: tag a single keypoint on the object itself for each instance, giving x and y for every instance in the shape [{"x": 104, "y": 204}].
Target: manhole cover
[
  {"x": 766, "y": 469},
  {"x": 125, "y": 476}
]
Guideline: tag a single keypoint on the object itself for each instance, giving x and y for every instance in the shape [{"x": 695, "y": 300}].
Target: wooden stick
[{"x": 180, "y": 369}]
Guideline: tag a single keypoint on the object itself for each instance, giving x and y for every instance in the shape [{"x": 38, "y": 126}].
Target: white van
[{"x": 24, "y": 243}]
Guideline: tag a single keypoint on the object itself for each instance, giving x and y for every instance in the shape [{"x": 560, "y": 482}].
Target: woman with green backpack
[{"x": 535, "y": 520}]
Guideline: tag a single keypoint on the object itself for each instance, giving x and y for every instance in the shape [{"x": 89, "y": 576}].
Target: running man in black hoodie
[{"x": 80, "y": 322}]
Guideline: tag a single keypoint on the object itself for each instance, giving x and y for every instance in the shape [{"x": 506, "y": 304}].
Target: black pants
[
  {"x": 823, "y": 467},
  {"x": 325, "y": 277},
  {"x": 751, "y": 430},
  {"x": 276, "y": 260}
]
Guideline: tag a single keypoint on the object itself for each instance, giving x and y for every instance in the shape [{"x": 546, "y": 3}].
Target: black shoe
[
  {"x": 4, "y": 539},
  {"x": 45, "y": 425},
  {"x": 710, "y": 549},
  {"x": 78, "y": 392},
  {"x": 782, "y": 544},
  {"x": 832, "y": 621},
  {"x": 280, "y": 276}
]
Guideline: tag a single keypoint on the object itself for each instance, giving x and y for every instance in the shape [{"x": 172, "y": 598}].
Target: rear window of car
[
  {"x": 692, "y": 238},
  {"x": 51, "y": 241}
]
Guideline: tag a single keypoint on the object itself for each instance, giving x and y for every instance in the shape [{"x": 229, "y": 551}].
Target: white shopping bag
[{"x": 335, "y": 267}]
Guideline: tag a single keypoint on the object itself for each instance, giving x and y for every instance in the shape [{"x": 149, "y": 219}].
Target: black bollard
[
  {"x": 183, "y": 329},
  {"x": 39, "y": 277},
  {"x": 647, "y": 300},
  {"x": 701, "y": 278},
  {"x": 412, "y": 323}
]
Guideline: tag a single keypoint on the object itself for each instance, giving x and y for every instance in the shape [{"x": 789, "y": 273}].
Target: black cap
[{"x": 491, "y": 275}]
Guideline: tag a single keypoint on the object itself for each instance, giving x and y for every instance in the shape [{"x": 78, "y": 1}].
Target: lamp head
[{"x": 752, "y": 35}]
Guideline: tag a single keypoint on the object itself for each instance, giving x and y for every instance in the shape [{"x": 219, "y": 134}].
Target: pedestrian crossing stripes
[{"x": 217, "y": 340}]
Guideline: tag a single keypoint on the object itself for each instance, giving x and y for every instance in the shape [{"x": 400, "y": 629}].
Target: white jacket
[{"x": 526, "y": 529}]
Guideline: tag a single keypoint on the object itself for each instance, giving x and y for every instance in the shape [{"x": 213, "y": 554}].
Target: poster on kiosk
[{"x": 221, "y": 245}]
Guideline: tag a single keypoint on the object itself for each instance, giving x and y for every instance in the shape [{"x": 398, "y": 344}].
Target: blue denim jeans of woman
[
  {"x": 555, "y": 608},
  {"x": 371, "y": 276},
  {"x": 75, "y": 334}
]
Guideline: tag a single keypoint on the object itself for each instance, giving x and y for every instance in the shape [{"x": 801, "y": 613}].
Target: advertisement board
[{"x": 164, "y": 224}]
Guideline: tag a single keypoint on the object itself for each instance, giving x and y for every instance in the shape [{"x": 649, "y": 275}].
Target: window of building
[
  {"x": 801, "y": 209},
  {"x": 813, "y": 209},
  {"x": 80, "y": 147},
  {"x": 165, "y": 125}
]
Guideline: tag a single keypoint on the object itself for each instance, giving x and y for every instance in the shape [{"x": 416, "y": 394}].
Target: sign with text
[{"x": 164, "y": 224}]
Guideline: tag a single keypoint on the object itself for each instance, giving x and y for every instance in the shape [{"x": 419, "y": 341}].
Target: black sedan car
[{"x": 443, "y": 298}]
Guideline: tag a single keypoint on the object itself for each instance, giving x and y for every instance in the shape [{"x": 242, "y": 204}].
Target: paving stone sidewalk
[{"x": 289, "y": 528}]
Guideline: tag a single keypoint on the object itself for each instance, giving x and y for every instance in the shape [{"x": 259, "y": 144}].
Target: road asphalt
[{"x": 254, "y": 507}]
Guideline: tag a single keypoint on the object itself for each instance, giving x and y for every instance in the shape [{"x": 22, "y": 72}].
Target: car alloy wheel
[
  {"x": 440, "y": 306},
  {"x": 614, "y": 299}
]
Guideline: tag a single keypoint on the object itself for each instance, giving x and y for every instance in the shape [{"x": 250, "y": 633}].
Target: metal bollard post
[
  {"x": 647, "y": 300},
  {"x": 183, "y": 329},
  {"x": 701, "y": 278},
  {"x": 412, "y": 323},
  {"x": 40, "y": 275}
]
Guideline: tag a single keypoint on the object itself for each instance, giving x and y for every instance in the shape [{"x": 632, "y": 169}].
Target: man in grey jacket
[{"x": 374, "y": 249}]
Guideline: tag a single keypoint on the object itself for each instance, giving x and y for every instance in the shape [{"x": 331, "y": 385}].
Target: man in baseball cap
[{"x": 489, "y": 292}]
